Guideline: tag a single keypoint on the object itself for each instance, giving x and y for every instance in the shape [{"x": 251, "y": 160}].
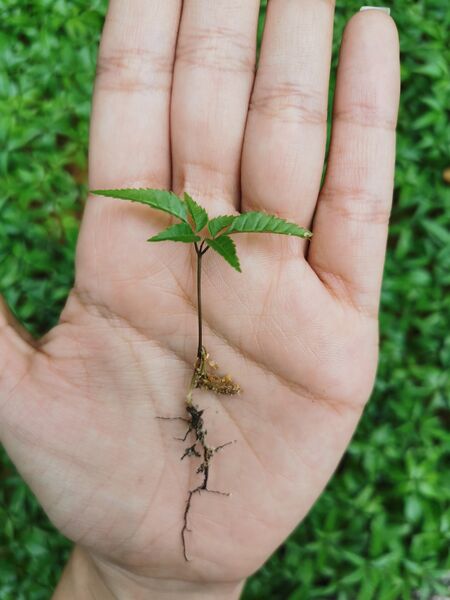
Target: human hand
[{"x": 298, "y": 330}]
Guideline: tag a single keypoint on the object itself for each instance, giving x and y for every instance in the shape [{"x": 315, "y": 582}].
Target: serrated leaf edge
[
  {"x": 197, "y": 228},
  {"x": 238, "y": 267},
  {"x": 306, "y": 233},
  {"x": 108, "y": 194}
]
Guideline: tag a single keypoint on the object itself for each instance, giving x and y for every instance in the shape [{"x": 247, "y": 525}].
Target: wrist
[{"x": 85, "y": 577}]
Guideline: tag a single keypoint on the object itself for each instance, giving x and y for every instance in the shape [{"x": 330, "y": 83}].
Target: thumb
[{"x": 16, "y": 351}]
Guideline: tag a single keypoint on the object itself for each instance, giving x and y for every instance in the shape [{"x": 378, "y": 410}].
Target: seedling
[{"x": 196, "y": 228}]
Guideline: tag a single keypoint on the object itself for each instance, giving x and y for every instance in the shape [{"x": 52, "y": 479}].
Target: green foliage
[
  {"x": 259, "y": 222},
  {"x": 197, "y": 212},
  {"x": 180, "y": 232},
  {"x": 217, "y": 224},
  {"x": 225, "y": 246},
  {"x": 160, "y": 199},
  {"x": 381, "y": 531},
  {"x": 251, "y": 222}
]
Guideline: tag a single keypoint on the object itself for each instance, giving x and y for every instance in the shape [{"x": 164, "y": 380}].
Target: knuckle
[
  {"x": 367, "y": 113},
  {"x": 134, "y": 70},
  {"x": 220, "y": 49},
  {"x": 356, "y": 204},
  {"x": 290, "y": 102}
]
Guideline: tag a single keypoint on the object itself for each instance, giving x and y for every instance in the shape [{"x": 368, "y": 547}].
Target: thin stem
[{"x": 199, "y": 302}]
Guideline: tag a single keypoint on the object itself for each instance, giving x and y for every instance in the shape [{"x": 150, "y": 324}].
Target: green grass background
[{"x": 382, "y": 528}]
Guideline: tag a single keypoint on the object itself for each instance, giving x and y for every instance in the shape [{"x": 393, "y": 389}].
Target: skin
[{"x": 298, "y": 330}]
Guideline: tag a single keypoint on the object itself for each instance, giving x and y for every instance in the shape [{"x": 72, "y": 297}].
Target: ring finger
[{"x": 285, "y": 138}]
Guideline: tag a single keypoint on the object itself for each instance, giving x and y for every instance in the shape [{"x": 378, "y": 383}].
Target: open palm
[{"x": 177, "y": 106}]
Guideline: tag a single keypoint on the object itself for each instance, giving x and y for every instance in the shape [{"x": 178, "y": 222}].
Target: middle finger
[{"x": 213, "y": 78}]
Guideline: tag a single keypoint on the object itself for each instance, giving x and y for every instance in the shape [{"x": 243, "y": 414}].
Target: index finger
[{"x": 129, "y": 141}]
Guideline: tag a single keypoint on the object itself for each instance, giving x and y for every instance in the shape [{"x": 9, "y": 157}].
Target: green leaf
[
  {"x": 197, "y": 212},
  {"x": 218, "y": 223},
  {"x": 413, "y": 508},
  {"x": 259, "y": 222},
  {"x": 180, "y": 232},
  {"x": 160, "y": 199},
  {"x": 225, "y": 246}
]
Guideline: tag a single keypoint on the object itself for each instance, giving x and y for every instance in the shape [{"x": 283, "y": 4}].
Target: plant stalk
[{"x": 199, "y": 302}]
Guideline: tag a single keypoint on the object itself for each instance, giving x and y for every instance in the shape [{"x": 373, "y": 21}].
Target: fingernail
[{"x": 382, "y": 8}]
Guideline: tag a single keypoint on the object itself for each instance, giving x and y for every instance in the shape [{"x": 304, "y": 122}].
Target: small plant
[{"x": 196, "y": 228}]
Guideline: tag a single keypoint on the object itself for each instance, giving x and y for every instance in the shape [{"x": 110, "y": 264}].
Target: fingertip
[
  {"x": 376, "y": 36},
  {"x": 374, "y": 22},
  {"x": 370, "y": 66}
]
